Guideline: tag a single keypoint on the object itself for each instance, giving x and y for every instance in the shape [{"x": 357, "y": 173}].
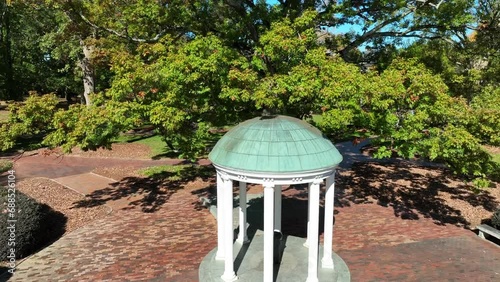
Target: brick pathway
[
  {"x": 85, "y": 183},
  {"x": 54, "y": 167},
  {"x": 368, "y": 225},
  {"x": 377, "y": 246},
  {"x": 463, "y": 258},
  {"x": 169, "y": 244}
]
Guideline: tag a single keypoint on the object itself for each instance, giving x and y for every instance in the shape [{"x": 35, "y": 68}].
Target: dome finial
[{"x": 267, "y": 113}]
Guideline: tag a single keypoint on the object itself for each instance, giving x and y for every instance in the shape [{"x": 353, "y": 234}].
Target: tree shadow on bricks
[
  {"x": 206, "y": 196},
  {"x": 411, "y": 190},
  {"x": 148, "y": 193}
]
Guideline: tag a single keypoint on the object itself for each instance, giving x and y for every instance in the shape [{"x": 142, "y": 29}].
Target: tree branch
[
  {"x": 370, "y": 34},
  {"x": 125, "y": 35},
  {"x": 78, "y": 13},
  {"x": 431, "y": 4}
]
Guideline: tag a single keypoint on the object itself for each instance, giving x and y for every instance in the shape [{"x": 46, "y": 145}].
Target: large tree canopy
[{"x": 187, "y": 67}]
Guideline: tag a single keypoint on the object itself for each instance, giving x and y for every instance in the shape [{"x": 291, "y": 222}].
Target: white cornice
[{"x": 276, "y": 178}]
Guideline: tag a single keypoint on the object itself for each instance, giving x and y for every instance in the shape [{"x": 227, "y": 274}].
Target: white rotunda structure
[{"x": 274, "y": 151}]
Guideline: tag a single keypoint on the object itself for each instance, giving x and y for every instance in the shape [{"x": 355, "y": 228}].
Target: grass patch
[
  {"x": 178, "y": 173},
  {"x": 496, "y": 158},
  {"x": 317, "y": 118},
  {"x": 166, "y": 172},
  {"x": 158, "y": 147},
  {"x": 494, "y": 152}
]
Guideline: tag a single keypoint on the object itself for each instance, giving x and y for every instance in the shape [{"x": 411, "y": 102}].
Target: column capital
[
  {"x": 268, "y": 183},
  {"x": 317, "y": 181},
  {"x": 224, "y": 176},
  {"x": 330, "y": 180}
]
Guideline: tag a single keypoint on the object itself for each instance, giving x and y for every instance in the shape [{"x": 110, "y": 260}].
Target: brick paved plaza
[{"x": 169, "y": 244}]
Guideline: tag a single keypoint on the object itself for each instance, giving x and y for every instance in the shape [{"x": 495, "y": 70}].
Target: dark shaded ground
[
  {"x": 293, "y": 217},
  {"x": 155, "y": 190},
  {"x": 412, "y": 191}
]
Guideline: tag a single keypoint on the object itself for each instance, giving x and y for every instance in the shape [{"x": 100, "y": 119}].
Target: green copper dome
[{"x": 275, "y": 144}]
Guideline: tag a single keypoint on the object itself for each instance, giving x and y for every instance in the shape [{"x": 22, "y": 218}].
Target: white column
[
  {"x": 313, "y": 236},
  {"x": 220, "y": 218},
  {"x": 242, "y": 236},
  {"x": 327, "y": 261},
  {"x": 228, "y": 231},
  {"x": 277, "y": 207},
  {"x": 268, "y": 232},
  {"x": 306, "y": 243}
]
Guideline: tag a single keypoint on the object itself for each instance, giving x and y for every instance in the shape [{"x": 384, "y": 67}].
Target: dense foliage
[
  {"x": 37, "y": 225},
  {"x": 5, "y": 165},
  {"x": 28, "y": 119},
  {"x": 418, "y": 77},
  {"x": 495, "y": 219}
]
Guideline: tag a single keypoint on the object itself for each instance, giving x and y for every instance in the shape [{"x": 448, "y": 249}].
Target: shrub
[
  {"x": 495, "y": 219},
  {"x": 26, "y": 120},
  {"x": 5, "y": 165},
  {"x": 36, "y": 225}
]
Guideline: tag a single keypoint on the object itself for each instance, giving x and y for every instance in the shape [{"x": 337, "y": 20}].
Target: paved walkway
[
  {"x": 169, "y": 244},
  {"x": 60, "y": 166},
  {"x": 128, "y": 246}
]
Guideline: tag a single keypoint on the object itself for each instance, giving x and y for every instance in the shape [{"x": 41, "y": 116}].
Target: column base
[
  {"x": 244, "y": 241},
  {"x": 219, "y": 255},
  {"x": 249, "y": 260},
  {"x": 229, "y": 277},
  {"x": 327, "y": 263},
  {"x": 312, "y": 279}
]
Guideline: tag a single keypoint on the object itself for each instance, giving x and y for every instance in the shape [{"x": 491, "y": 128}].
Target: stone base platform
[{"x": 249, "y": 263}]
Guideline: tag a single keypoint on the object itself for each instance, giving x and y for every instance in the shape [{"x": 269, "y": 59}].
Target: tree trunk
[
  {"x": 10, "y": 86},
  {"x": 88, "y": 72}
]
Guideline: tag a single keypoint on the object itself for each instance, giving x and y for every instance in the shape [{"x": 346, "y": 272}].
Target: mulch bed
[
  {"x": 62, "y": 200},
  {"x": 118, "y": 150}
]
